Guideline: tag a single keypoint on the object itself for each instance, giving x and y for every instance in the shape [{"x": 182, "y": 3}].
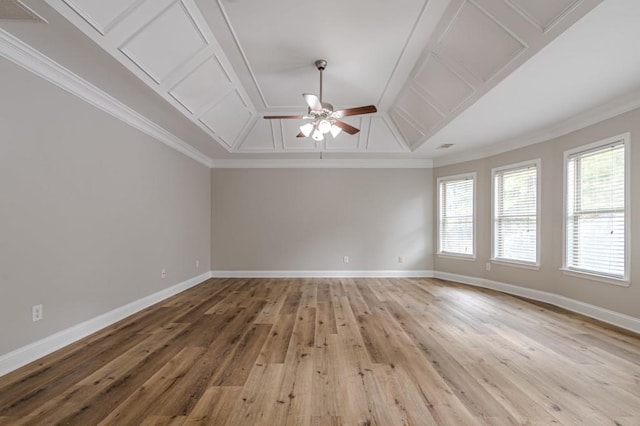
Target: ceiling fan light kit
[{"x": 324, "y": 119}]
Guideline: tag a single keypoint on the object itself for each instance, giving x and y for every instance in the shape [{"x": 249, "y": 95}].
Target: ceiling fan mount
[{"x": 324, "y": 119}]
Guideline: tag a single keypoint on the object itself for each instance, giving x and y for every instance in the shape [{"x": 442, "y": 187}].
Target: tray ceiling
[{"x": 224, "y": 64}]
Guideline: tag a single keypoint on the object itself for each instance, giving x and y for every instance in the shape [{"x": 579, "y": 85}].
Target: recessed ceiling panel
[
  {"x": 442, "y": 84},
  {"x": 261, "y": 137},
  {"x": 415, "y": 106},
  {"x": 362, "y": 42},
  {"x": 478, "y": 43},
  {"x": 165, "y": 43},
  {"x": 409, "y": 131},
  {"x": 206, "y": 84},
  {"x": 101, "y": 14},
  {"x": 228, "y": 118},
  {"x": 381, "y": 138},
  {"x": 543, "y": 13}
]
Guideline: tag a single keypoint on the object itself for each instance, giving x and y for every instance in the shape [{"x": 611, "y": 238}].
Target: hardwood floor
[{"x": 336, "y": 352}]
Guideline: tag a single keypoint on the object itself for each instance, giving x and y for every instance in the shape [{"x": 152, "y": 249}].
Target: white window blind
[
  {"x": 456, "y": 213},
  {"x": 595, "y": 217},
  {"x": 515, "y": 214}
]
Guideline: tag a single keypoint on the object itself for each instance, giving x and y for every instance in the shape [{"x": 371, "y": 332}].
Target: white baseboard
[
  {"x": 22, "y": 356},
  {"x": 26, "y": 354},
  {"x": 322, "y": 274},
  {"x": 605, "y": 315}
]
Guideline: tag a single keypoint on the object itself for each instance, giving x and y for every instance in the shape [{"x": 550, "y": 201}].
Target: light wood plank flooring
[{"x": 336, "y": 352}]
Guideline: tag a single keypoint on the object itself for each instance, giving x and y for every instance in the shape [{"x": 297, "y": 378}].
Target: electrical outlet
[
  {"x": 401, "y": 259},
  {"x": 487, "y": 266},
  {"x": 163, "y": 274},
  {"x": 345, "y": 259},
  {"x": 36, "y": 313}
]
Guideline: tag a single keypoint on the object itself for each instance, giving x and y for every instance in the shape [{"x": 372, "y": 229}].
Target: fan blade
[
  {"x": 282, "y": 117},
  {"x": 313, "y": 101},
  {"x": 300, "y": 135},
  {"x": 354, "y": 111},
  {"x": 346, "y": 127}
]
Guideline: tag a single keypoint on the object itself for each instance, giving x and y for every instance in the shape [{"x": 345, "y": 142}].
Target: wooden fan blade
[
  {"x": 313, "y": 101},
  {"x": 300, "y": 135},
  {"x": 354, "y": 111},
  {"x": 282, "y": 117},
  {"x": 346, "y": 127}
]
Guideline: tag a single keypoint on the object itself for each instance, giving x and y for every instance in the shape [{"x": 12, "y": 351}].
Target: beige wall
[
  {"x": 91, "y": 211},
  {"x": 549, "y": 278},
  {"x": 308, "y": 219}
]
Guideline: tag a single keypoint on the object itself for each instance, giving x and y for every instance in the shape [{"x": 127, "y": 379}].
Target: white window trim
[
  {"x": 516, "y": 264},
  {"x": 471, "y": 257},
  {"x": 625, "y": 281},
  {"x": 513, "y": 262}
]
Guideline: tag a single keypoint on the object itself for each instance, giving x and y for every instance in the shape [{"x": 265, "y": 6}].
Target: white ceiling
[{"x": 485, "y": 75}]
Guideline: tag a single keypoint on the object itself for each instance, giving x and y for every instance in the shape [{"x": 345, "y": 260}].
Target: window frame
[
  {"x": 625, "y": 280},
  {"x": 439, "y": 181},
  {"x": 511, "y": 167}
]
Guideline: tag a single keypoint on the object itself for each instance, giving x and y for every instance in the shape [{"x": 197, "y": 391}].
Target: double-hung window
[
  {"x": 597, "y": 209},
  {"x": 456, "y": 215},
  {"x": 515, "y": 213}
]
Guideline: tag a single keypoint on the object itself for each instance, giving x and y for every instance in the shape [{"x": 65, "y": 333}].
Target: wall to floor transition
[
  {"x": 309, "y": 219},
  {"x": 91, "y": 211},
  {"x": 549, "y": 278}
]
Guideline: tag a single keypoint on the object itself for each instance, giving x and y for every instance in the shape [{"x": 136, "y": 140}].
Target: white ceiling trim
[
  {"x": 242, "y": 53},
  {"x": 517, "y": 38},
  {"x": 254, "y": 79},
  {"x": 316, "y": 163},
  {"x": 32, "y": 60},
  {"x": 543, "y": 28},
  {"x": 102, "y": 29},
  {"x": 134, "y": 21},
  {"x": 593, "y": 116},
  {"x": 188, "y": 17}
]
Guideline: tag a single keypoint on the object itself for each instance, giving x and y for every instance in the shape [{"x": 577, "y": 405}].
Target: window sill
[
  {"x": 457, "y": 256},
  {"x": 516, "y": 264},
  {"x": 621, "y": 282}
]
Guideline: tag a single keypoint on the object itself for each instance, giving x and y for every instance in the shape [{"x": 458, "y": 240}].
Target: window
[
  {"x": 596, "y": 220},
  {"x": 515, "y": 213},
  {"x": 456, "y": 215}
]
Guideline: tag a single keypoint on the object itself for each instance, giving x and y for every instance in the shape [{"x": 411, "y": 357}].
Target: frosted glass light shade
[
  {"x": 306, "y": 129},
  {"x": 324, "y": 126}
]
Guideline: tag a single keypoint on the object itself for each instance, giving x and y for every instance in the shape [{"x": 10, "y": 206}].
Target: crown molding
[
  {"x": 408, "y": 163},
  {"x": 588, "y": 118},
  {"x": 32, "y": 60}
]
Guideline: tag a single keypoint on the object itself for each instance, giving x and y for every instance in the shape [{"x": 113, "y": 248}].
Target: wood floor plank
[
  {"x": 148, "y": 399},
  {"x": 398, "y": 351},
  {"x": 277, "y": 344},
  {"x": 215, "y": 406},
  {"x": 235, "y": 371}
]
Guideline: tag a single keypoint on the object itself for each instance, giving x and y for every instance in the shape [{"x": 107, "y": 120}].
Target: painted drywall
[
  {"x": 309, "y": 219},
  {"x": 549, "y": 277},
  {"x": 91, "y": 211}
]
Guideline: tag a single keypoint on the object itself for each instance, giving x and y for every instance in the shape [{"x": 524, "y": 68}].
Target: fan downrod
[{"x": 321, "y": 64}]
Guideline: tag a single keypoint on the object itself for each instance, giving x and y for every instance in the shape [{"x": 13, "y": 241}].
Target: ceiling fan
[{"x": 324, "y": 119}]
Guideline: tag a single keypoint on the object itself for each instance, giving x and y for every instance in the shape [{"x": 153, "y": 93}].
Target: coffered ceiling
[{"x": 224, "y": 64}]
